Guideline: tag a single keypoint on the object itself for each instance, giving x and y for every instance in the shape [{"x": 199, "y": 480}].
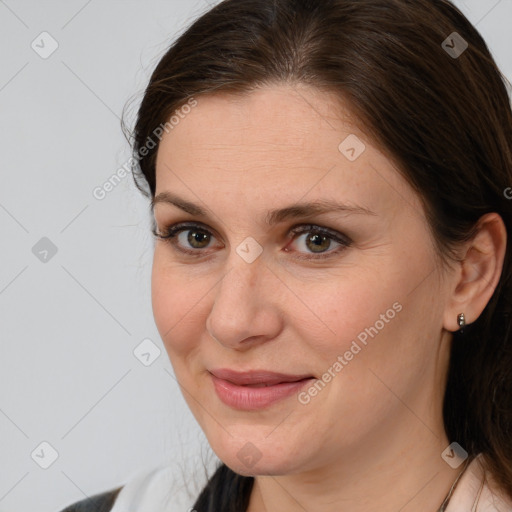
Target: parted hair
[{"x": 444, "y": 118}]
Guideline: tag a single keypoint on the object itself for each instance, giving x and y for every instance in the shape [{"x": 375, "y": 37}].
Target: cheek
[
  {"x": 382, "y": 341},
  {"x": 369, "y": 323},
  {"x": 176, "y": 302},
  {"x": 344, "y": 309}
]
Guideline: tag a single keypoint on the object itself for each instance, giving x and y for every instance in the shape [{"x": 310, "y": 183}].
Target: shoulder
[
  {"x": 158, "y": 489},
  {"x": 102, "y": 502},
  {"x": 476, "y": 491}
]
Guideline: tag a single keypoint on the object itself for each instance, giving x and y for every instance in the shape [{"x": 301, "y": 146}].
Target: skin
[{"x": 372, "y": 439}]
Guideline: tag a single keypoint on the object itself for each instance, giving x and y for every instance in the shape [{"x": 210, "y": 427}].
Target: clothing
[
  {"x": 151, "y": 492},
  {"x": 102, "y": 502},
  {"x": 476, "y": 493}
]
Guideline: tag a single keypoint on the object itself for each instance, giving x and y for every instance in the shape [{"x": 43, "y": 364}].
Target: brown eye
[
  {"x": 318, "y": 243},
  {"x": 317, "y": 240},
  {"x": 189, "y": 239},
  {"x": 199, "y": 237}
]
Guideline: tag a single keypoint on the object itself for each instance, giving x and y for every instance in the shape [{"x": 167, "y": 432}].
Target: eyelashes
[
  {"x": 321, "y": 234},
  {"x": 199, "y": 233}
]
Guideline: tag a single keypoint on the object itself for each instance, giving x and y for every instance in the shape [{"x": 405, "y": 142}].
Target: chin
[
  {"x": 251, "y": 459},
  {"x": 269, "y": 468}
]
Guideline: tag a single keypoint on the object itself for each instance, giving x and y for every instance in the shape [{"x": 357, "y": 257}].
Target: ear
[{"x": 478, "y": 272}]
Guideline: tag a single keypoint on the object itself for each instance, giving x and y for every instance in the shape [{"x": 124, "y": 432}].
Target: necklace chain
[{"x": 443, "y": 506}]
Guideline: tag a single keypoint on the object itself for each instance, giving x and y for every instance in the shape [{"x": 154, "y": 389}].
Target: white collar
[
  {"x": 474, "y": 492},
  {"x": 154, "y": 491},
  {"x": 158, "y": 491}
]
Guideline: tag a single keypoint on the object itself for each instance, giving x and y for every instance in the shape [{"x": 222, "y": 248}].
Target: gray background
[{"x": 69, "y": 325}]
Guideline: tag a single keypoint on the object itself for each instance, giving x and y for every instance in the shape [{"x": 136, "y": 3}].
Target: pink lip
[{"x": 234, "y": 389}]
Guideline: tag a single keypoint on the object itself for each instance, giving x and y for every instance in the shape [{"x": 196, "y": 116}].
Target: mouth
[
  {"x": 257, "y": 378},
  {"x": 254, "y": 390}
]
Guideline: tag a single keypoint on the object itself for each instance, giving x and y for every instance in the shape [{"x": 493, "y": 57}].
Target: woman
[{"x": 330, "y": 194}]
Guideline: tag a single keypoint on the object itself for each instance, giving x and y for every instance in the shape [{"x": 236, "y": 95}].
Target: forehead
[
  {"x": 278, "y": 141},
  {"x": 279, "y": 116}
]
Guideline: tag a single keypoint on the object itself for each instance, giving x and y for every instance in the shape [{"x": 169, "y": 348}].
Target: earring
[{"x": 461, "y": 320}]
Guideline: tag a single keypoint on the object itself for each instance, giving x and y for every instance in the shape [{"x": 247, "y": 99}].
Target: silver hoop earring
[{"x": 461, "y": 320}]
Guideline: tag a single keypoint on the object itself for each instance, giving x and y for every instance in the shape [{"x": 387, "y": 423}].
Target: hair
[{"x": 446, "y": 121}]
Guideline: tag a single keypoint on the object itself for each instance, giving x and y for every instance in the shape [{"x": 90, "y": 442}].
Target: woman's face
[{"x": 357, "y": 307}]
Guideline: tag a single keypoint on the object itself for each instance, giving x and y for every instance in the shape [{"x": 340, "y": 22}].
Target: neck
[{"x": 404, "y": 471}]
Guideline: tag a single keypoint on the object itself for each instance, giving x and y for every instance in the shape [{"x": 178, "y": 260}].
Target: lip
[{"x": 235, "y": 388}]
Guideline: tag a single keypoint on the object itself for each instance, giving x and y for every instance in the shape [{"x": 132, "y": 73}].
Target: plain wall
[{"x": 69, "y": 325}]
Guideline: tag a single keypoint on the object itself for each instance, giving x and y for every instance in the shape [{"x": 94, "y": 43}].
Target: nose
[{"x": 247, "y": 307}]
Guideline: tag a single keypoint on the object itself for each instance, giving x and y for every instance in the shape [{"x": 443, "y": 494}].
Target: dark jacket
[{"x": 102, "y": 502}]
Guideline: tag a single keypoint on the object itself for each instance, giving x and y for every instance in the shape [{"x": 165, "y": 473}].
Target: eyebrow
[{"x": 274, "y": 216}]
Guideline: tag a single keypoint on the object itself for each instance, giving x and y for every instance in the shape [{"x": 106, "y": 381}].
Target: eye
[
  {"x": 318, "y": 239},
  {"x": 180, "y": 235}
]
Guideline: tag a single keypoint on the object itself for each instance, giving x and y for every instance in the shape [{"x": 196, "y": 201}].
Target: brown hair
[{"x": 446, "y": 121}]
